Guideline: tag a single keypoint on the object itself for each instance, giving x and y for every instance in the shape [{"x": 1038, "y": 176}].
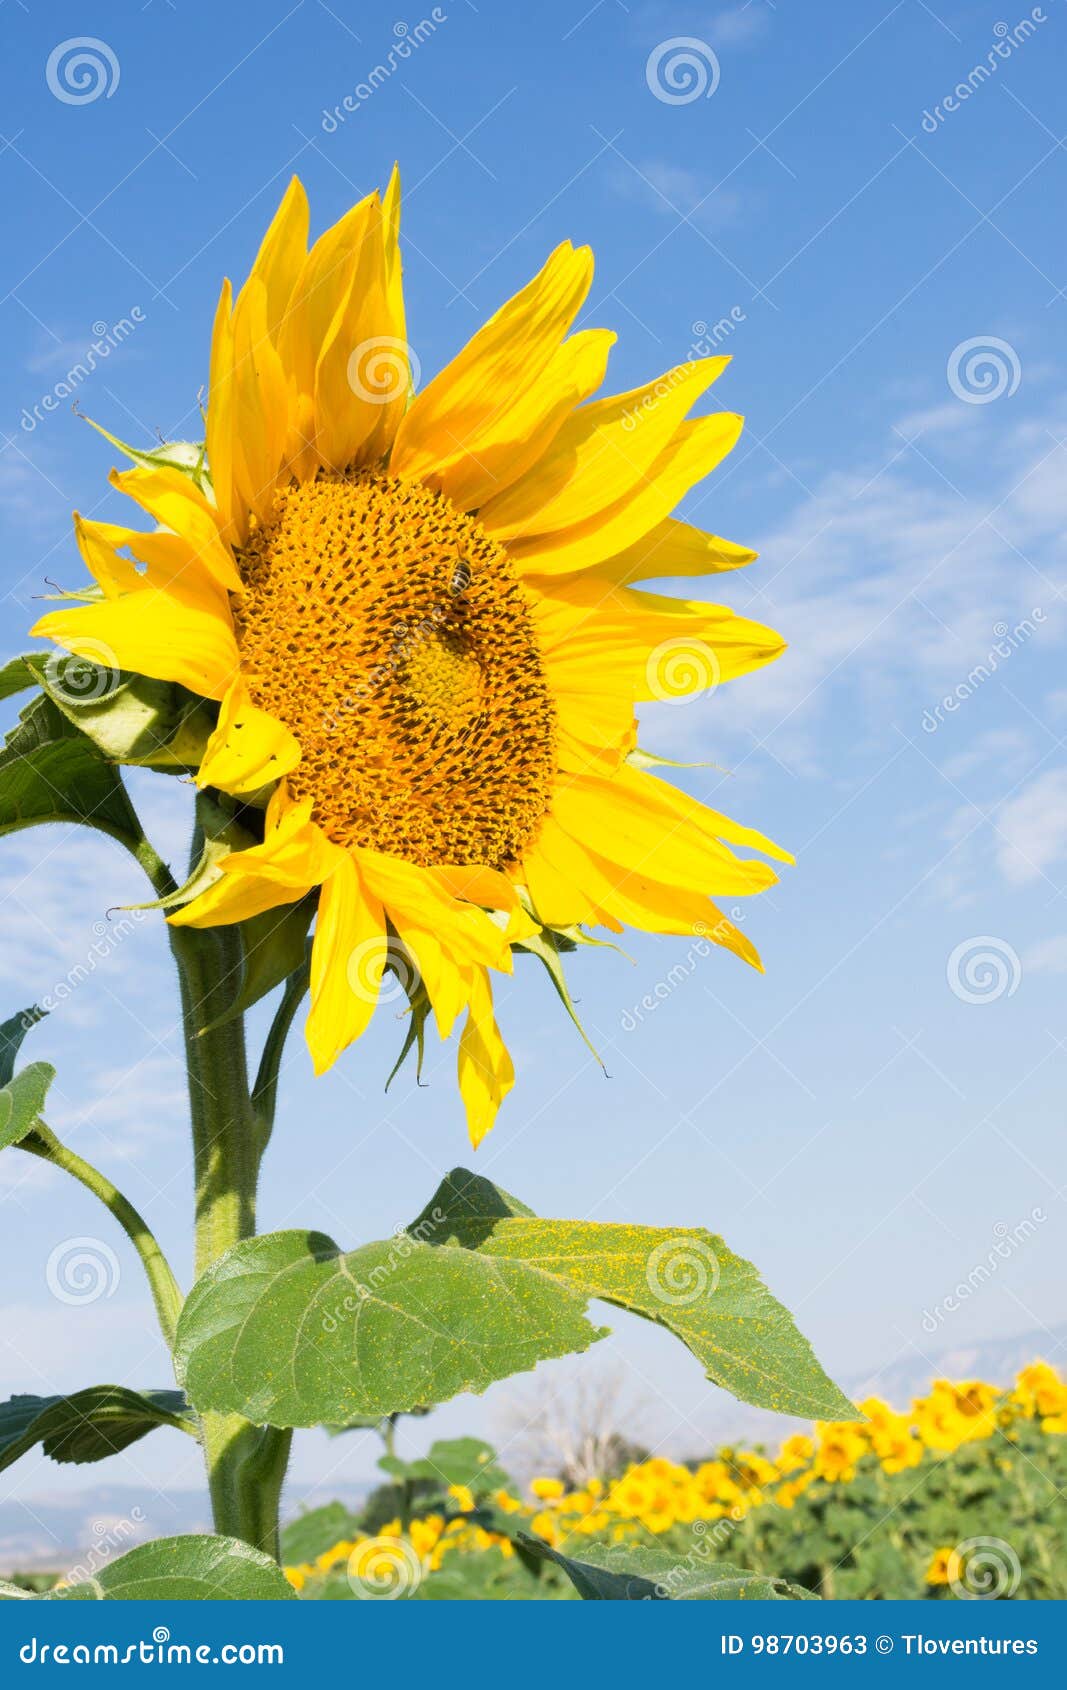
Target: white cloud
[
  {"x": 1047, "y": 957},
  {"x": 1032, "y": 828}
]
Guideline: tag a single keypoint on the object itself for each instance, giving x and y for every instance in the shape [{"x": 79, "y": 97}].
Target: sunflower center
[{"x": 390, "y": 634}]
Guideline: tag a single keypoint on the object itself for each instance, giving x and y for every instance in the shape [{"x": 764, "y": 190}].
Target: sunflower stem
[
  {"x": 245, "y": 1463},
  {"x": 42, "y": 1142}
]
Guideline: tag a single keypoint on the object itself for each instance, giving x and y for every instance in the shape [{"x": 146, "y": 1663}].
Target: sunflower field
[{"x": 960, "y": 1497}]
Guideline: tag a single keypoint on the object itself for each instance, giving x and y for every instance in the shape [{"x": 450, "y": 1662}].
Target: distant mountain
[
  {"x": 94, "y": 1526},
  {"x": 87, "y": 1529}
]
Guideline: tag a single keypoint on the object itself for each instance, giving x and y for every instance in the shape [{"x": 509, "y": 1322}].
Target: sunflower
[{"x": 416, "y": 615}]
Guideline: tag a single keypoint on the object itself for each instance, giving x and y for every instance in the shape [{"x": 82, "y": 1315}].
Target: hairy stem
[
  {"x": 165, "y": 1293},
  {"x": 245, "y": 1463}
]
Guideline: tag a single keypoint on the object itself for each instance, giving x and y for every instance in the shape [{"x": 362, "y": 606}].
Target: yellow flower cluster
[{"x": 657, "y": 1494}]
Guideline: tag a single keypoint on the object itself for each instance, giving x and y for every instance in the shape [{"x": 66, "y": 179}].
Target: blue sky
[{"x": 870, "y": 1119}]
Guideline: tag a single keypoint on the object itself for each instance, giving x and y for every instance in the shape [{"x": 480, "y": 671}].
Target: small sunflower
[{"x": 417, "y": 617}]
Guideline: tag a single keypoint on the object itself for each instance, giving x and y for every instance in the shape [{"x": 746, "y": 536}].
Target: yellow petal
[
  {"x": 98, "y": 543},
  {"x": 693, "y": 453},
  {"x": 600, "y": 455},
  {"x": 260, "y": 405},
  {"x": 347, "y": 959},
  {"x": 282, "y": 253},
  {"x": 456, "y": 416},
  {"x": 444, "y": 935},
  {"x": 249, "y": 748},
  {"x": 630, "y": 822},
  {"x": 362, "y": 378},
  {"x": 152, "y": 632},
  {"x": 636, "y": 645},
  {"x": 486, "y": 1071},
  {"x": 234, "y": 897},
  {"x": 220, "y": 416},
  {"x": 491, "y": 890},
  {"x": 173, "y": 500},
  {"x": 673, "y": 548},
  {"x": 295, "y": 856}
]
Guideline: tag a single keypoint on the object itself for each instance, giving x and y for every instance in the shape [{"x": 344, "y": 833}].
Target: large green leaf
[
  {"x": 17, "y": 675},
  {"x": 87, "y": 1425},
  {"x": 650, "y": 1573},
  {"x": 683, "y": 1278},
  {"x": 184, "y": 1569},
  {"x": 290, "y": 1330},
  {"x": 22, "y": 1095},
  {"x": 51, "y": 772}
]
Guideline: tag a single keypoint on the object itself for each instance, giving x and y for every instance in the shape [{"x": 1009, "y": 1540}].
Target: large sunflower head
[{"x": 415, "y": 615}]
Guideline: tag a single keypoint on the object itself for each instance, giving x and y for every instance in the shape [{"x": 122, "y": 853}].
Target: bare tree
[{"x": 572, "y": 1427}]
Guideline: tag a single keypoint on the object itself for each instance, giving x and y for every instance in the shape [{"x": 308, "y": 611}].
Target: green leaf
[
  {"x": 130, "y": 718},
  {"x": 289, "y": 1330},
  {"x": 315, "y": 1531},
  {"x": 453, "y": 1461},
  {"x": 545, "y": 945},
  {"x": 683, "y": 1278},
  {"x": 22, "y": 1095},
  {"x": 645, "y": 1573},
  {"x": 12, "y": 1033},
  {"x": 88, "y": 1425},
  {"x": 184, "y": 1569},
  {"x": 51, "y": 772}
]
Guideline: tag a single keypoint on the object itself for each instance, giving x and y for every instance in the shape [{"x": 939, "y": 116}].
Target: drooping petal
[
  {"x": 347, "y": 960},
  {"x": 457, "y": 416},
  {"x": 99, "y": 544},
  {"x": 486, "y": 1071},
  {"x": 249, "y": 748}
]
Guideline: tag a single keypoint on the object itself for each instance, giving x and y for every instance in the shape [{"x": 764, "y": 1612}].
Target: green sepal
[
  {"x": 274, "y": 946},
  {"x": 188, "y": 456},
  {"x": 222, "y": 834}
]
